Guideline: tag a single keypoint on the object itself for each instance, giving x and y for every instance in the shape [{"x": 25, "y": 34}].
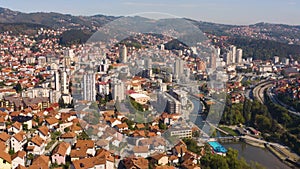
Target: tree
[
  {"x": 263, "y": 123},
  {"x": 61, "y": 103},
  {"x": 18, "y": 88}
]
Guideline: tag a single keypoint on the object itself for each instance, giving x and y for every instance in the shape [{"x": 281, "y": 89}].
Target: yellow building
[{"x": 5, "y": 161}]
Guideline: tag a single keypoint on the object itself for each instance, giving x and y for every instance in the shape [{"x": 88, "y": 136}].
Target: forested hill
[{"x": 260, "y": 41}]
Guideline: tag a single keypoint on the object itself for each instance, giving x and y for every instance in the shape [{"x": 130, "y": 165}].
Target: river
[
  {"x": 256, "y": 154},
  {"x": 248, "y": 152}
]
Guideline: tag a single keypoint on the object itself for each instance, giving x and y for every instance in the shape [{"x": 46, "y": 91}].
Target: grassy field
[{"x": 229, "y": 130}]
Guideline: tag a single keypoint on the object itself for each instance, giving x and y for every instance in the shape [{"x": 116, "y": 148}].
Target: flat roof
[{"x": 138, "y": 95}]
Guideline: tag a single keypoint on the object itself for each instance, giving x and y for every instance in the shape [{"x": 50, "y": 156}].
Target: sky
[{"x": 240, "y": 12}]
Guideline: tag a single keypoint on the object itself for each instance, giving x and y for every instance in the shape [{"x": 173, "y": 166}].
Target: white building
[
  {"x": 232, "y": 48},
  {"x": 178, "y": 68},
  {"x": 89, "y": 86},
  {"x": 118, "y": 90},
  {"x": 123, "y": 54},
  {"x": 239, "y": 55}
]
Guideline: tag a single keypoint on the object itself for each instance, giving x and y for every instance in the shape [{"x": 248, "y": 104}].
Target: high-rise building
[
  {"x": 239, "y": 56},
  {"x": 178, "y": 68},
  {"x": 89, "y": 86},
  {"x": 148, "y": 67},
  {"x": 56, "y": 78},
  {"x": 65, "y": 83},
  {"x": 232, "y": 48},
  {"x": 286, "y": 61},
  {"x": 228, "y": 57},
  {"x": 123, "y": 54},
  {"x": 213, "y": 60},
  {"x": 276, "y": 59},
  {"x": 218, "y": 51},
  {"x": 118, "y": 90},
  {"x": 173, "y": 106}
]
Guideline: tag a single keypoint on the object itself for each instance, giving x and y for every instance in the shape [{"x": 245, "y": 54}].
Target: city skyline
[{"x": 218, "y": 11}]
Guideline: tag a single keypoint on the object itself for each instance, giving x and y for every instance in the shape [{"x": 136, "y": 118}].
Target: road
[
  {"x": 258, "y": 92},
  {"x": 275, "y": 100}
]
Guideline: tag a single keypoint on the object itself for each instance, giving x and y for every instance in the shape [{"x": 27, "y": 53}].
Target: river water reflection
[{"x": 256, "y": 154}]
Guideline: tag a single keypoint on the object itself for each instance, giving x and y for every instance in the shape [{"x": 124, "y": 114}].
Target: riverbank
[{"x": 275, "y": 151}]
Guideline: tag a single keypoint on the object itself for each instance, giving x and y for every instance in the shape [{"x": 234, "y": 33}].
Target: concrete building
[
  {"x": 173, "y": 106},
  {"x": 181, "y": 132},
  {"x": 42, "y": 61},
  {"x": 65, "y": 83},
  {"x": 232, "y": 48},
  {"x": 118, "y": 90},
  {"x": 123, "y": 54},
  {"x": 178, "y": 68},
  {"x": 239, "y": 56},
  {"x": 89, "y": 86},
  {"x": 276, "y": 59}
]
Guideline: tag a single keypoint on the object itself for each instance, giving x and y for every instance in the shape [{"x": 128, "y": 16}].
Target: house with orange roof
[
  {"x": 15, "y": 128},
  {"x": 188, "y": 164},
  {"x": 122, "y": 127},
  {"x": 51, "y": 122},
  {"x": 18, "y": 141},
  {"x": 179, "y": 149},
  {"x": 136, "y": 162},
  {"x": 5, "y": 161},
  {"x": 89, "y": 145},
  {"x": 43, "y": 132},
  {"x": 60, "y": 153},
  {"x": 68, "y": 137},
  {"x": 76, "y": 129},
  {"x": 141, "y": 151},
  {"x": 36, "y": 145},
  {"x": 40, "y": 162},
  {"x": 5, "y": 138},
  {"x": 164, "y": 167},
  {"x": 18, "y": 158},
  {"x": 160, "y": 159},
  {"x": 92, "y": 162}
]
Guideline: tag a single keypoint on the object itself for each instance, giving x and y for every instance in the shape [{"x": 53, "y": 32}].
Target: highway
[{"x": 258, "y": 92}]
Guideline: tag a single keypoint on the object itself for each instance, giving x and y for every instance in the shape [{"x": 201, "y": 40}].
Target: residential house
[
  {"x": 36, "y": 146},
  {"x": 141, "y": 151},
  {"x": 51, "y": 122},
  {"x": 92, "y": 162},
  {"x": 40, "y": 162},
  {"x": 164, "y": 167},
  {"x": 5, "y": 138},
  {"x": 102, "y": 143},
  {"x": 18, "y": 141},
  {"x": 122, "y": 127},
  {"x": 179, "y": 149},
  {"x": 5, "y": 161},
  {"x": 134, "y": 163},
  {"x": 160, "y": 159},
  {"x": 18, "y": 159},
  {"x": 43, "y": 132},
  {"x": 60, "y": 153},
  {"x": 2, "y": 124},
  {"x": 69, "y": 137},
  {"x": 89, "y": 145},
  {"x": 15, "y": 128}
]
